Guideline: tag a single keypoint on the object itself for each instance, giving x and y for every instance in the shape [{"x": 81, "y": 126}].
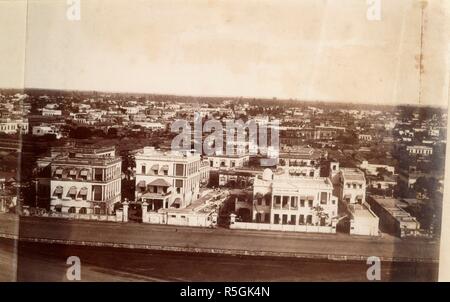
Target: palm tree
[{"x": 320, "y": 213}]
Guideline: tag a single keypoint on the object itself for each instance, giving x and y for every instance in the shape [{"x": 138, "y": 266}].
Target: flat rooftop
[
  {"x": 152, "y": 153},
  {"x": 299, "y": 183},
  {"x": 353, "y": 174},
  {"x": 361, "y": 210}
]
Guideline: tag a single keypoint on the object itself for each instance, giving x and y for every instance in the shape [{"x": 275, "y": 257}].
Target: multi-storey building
[
  {"x": 373, "y": 168},
  {"x": 294, "y": 200},
  {"x": 419, "y": 150},
  {"x": 228, "y": 161},
  {"x": 301, "y": 162},
  {"x": 11, "y": 125},
  {"x": 167, "y": 179},
  {"x": 83, "y": 180},
  {"x": 350, "y": 185}
]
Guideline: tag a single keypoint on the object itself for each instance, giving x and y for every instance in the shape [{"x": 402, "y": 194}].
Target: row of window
[
  {"x": 291, "y": 162},
  {"x": 13, "y": 127},
  {"x": 154, "y": 171},
  {"x": 354, "y": 185},
  {"x": 73, "y": 210},
  {"x": 179, "y": 169},
  {"x": 98, "y": 174},
  {"x": 74, "y": 194},
  {"x": 292, "y": 201},
  {"x": 284, "y": 200},
  {"x": 284, "y": 219}
]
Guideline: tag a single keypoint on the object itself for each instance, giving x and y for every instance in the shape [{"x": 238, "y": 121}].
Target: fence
[
  {"x": 115, "y": 218},
  {"x": 282, "y": 227}
]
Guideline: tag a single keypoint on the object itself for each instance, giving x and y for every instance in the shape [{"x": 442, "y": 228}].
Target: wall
[{"x": 282, "y": 227}]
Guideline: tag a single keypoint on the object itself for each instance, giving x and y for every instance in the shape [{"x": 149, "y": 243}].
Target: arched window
[
  {"x": 83, "y": 211},
  {"x": 72, "y": 210}
]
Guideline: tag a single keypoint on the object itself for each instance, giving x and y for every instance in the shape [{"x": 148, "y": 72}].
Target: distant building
[
  {"x": 382, "y": 185},
  {"x": 151, "y": 125},
  {"x": 393, "y": 219},
  {"x": 365, "y": 137},
  {"x": 228, "y": 161},
  {"x": 12, "y": 126},
  {"x": 51, "y": 112},
  {"x": 372, "y": 169},
  {"x": 46, "y": 130},
  {"x": 419, "y": 150}
]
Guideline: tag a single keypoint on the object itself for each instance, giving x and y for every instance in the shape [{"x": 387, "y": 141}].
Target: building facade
[
  {"x": 167, "y": 179},
  {"x": 393, "y": 219},
  {"x": 12, "y": 126},
  {"x": 350, "y": 185},
  {"x": 83, "y": 180},
  {"x": 419, "y": 150},
  {"x": 293, "y": 200}
]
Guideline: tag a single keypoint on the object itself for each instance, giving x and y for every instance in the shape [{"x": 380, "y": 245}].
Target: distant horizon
[{"x": 274, "y": 98}]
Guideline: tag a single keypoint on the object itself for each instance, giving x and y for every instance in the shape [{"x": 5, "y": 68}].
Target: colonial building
[
  {"x": 228, "y": 161},
  {"x": 167, "y": 179},
  {"x": 373, "y": 169},
  {"x": 302, "y": 161},
  {"x": 419, "y": 150},
  {"x": 83, "y": 180},
  {"x": 12, "y": 126},
  {"x": 46, "y": 130},
  {"x": 293, "y": 200},
  {"x": 350, "y": 185}
]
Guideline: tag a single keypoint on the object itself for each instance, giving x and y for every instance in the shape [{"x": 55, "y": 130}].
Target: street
[{"x": 185, "y": 239}]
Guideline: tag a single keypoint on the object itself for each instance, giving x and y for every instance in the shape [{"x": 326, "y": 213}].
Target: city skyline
[{"x": 211, "y": 49}]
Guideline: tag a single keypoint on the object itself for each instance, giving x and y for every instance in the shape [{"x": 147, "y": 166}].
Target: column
[
  {"x": 144, "y": 212},
  {"x": 232, "y": 218},
  {"x": 125, "y": 210}
]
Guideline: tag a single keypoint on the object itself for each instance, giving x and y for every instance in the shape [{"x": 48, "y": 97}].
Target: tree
[
  {"x": 320, "y": 213},
  {"x": 112, "y": 133},
  {"x": 80, "y": 133},
  {"x": 426, "y": 185}
]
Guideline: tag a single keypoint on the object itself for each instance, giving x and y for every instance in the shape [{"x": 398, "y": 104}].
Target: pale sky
[{"x": 305, "y": 49}]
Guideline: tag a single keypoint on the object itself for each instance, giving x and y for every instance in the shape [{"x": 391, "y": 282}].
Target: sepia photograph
[{"x": 224, "y": 141}]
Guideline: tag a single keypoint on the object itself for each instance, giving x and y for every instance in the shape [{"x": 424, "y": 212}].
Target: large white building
[
  {"x": 12, "y": 126},
  {"x": 363, "y": 221},
  {"x": 167, "y": 179},
  {"x": 419, "y": 150},
  {"x": 51, "y": 112},
  {"x": 302, "y": 161},
  {"x": 46, "y": 130},
  {"x": 83, "y": 180},
  {"x": 293, "y": 200},
  {"x": 372, "y": 169},
  {"x": 228, "y": 161}
]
